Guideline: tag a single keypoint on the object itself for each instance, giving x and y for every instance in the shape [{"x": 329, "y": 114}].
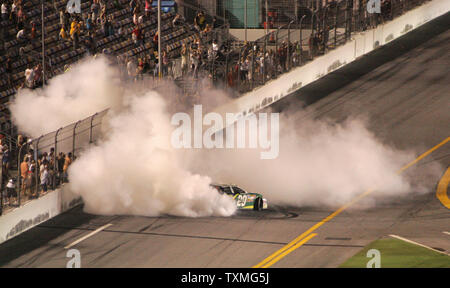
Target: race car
[{"x": 244, "y": 200}]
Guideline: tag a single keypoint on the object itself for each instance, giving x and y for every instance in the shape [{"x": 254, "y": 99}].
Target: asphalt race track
[{"x": 403, "y": 88}]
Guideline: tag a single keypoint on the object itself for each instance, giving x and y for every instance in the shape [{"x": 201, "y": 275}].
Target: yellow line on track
[
  {"x": 305, "y": 236},
  {"x": 276, "y": 259},
  {"x": 441, "y": 191},
  {"x": 424, "y": 155}
]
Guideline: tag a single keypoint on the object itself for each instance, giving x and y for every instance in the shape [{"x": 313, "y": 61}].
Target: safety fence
[
  {"x": 42, "y": 162},
  {"x": 317, "y": 30}
]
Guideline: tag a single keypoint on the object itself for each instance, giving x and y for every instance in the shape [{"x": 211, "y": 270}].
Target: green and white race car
[{"x": 244, "y": 200}]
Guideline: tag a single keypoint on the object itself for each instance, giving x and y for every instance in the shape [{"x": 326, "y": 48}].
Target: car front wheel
[{"x": 258, "y": 204}]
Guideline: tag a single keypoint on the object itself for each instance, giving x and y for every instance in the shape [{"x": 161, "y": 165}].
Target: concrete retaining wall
[{"x": 35, "y": 212}]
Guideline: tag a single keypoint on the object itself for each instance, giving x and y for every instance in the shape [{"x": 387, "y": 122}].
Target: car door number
[{"x": 242, "y": 199}]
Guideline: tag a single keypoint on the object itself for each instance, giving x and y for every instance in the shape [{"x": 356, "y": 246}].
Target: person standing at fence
[
  {"x": 11, "y": 192},
  {"x": 44, "y": 179},
  {"x": 60, "y": 164},
  {"x": 67, "y": 163},
  {"x": 30, "y": 181},
  {"x": 24, "y": 172},
  {"x": 51, "y": 167}
]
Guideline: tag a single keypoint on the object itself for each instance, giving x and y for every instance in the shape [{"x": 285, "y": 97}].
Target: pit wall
[
  {"x": 360, "y": 44},
  {"x": 35, "y": 212}
]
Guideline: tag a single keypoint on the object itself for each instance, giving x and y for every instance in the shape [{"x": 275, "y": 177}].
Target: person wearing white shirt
[
  {"x": 44, "y": 179},
  {"x": 29, "y": 77},
  {"x": 4, "y": 10}
]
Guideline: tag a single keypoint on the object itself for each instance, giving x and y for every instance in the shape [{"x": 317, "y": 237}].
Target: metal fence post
[
  {"x": 312, "y": 38},
  {"x": 301, "y": 39},
  {"x": 336, "y": 24},
  {"x": 253, "y": 65},
  {"x": 277, "y": 56},
  {"x": 265, "y": 59},
  {"x": 36, "y": 152},
  {"x": 239, "y": 70},
  {"x": 73, "y": 138},
  {"x": 90, "y": 128},
  {"x": 56, "y": 164},
  {"x": 289, "y": 46}
]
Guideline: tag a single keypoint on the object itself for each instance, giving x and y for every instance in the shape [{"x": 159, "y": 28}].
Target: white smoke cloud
[
  {"x": 87, "y": 88},
  {"x": 320, "y": 164},
  {"x": 135, "y": 170}
]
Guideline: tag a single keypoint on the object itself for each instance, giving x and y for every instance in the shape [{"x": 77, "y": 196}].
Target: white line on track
[
  {"x": 87, "y": 236},
  {"x": 418, "y": 244}
]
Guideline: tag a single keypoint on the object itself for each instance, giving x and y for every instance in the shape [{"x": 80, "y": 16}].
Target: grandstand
[{"x": 59, "y": 53}]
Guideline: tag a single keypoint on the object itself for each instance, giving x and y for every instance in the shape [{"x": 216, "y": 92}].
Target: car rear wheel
[{"x": 258, "y": 204}]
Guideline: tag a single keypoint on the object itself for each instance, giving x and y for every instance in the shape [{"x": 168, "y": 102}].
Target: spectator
[
  {"x": 51, "y": 166},
  {"x": 4, "y": 11},
  {"x": 199, "y": 21},
  {"x": 120, "y": 31},
  {"x": 165, "y": 63},
  {"x": 29, "y": 77},
  {"x": 95, "y": 8},
  {"x": 155, "y": 41},
  {"x": 60, "y": 162},
  {"x": 195, "y": 61},
  {"x": 21, "y": 35},
  {"x": 33, "y": 31},
  {"x": 89, "y": 23},
  {"x": 20, "y": 18},
  {"x": 177, "y": 20},
  {"x": 112, "y": 25},
  {"x": 63, "y": 34},
  {"x": 13, "y": 15},
  {"x": 131, "y": 69},
  {"x": 6, "y": 159},
  {"x": 8, "y": 70},
  {"x": 132, "y": 5},
  {"x": 38, "y": 75},
  {"x": 147, "y": 64},
  {"x": 75, "y": 33},
  {"x": 148, "y": 7},
  {"x": 62, "y": 18},
  {"x": 67, "y": 163},
  {"x": 44, "y": 179},
  {"x": 215, "y": 24},
  {"x": 106, "y": 26},
  {"x": 30, "y": 180},
  {"x": 11, "y": 192},
  {"x": 90, "y": 45},
  {"x": 282, "y": 54},
  {"x": 102, "y": 10},
  {"x": 24, "y": 171},
  {"x": 137, "y": 35},
  {"x": 135, "y": 18}
]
